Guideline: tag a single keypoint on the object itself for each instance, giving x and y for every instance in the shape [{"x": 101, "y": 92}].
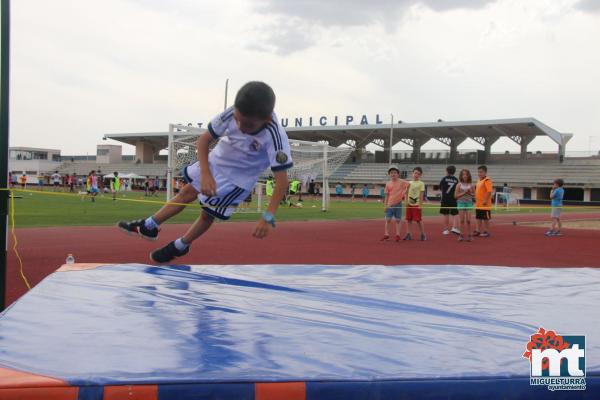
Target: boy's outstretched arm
[
  {"x": 281, "y": 185},
  {"x": 208, "y": 186}
]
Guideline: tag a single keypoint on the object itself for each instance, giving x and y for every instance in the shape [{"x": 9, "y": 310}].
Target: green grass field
[{"x": 45, "y": 209}]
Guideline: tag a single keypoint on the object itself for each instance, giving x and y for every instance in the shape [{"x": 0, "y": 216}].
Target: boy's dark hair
[
  {"x": 559, "y": 182},
  {"x": 418, "y": 169},
  {"x": 451, "y": 169},
  {"x": 482, "y": 167},
  {"x": 255, "y": 99},
  {"x": 116, "y": 173}
]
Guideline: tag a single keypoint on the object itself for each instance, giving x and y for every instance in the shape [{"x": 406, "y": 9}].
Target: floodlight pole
[
  {"x": 391, "y": 136},
  {"x": 325, "y": 194},
  {"x": 170, "y": 157},
  {"x": 4, "y": 126},
  {"x": 226, "y": 89}
]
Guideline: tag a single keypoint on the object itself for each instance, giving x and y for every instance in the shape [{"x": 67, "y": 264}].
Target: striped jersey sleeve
[
  {"x": 218, "y": 125},
  {"x": 280, "y": 155}
]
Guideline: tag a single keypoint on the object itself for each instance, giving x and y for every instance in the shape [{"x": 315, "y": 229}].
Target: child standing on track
[
  {"x": 395, "y": 191},
  {"x": 250, "y": 139},
  {"x": 556, "y": 196},
  {"x": 483, "y": 202},
  {"x": 448, "y": 203},
  {"x": 416, "y": 197},
  {"x": 464, "y": 202}
]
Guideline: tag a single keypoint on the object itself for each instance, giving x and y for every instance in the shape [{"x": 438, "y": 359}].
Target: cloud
[
  {"x": 588, "y": 5},
  {"x": 283, "y": 38},
  {"x": 297, "y": 22},
  {"x": 356, "y": 12}
]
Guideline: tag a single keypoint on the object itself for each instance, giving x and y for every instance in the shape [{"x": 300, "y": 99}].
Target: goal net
[
  {"x": 313, "y": 162},
  {"x": 506, "y": 201}
]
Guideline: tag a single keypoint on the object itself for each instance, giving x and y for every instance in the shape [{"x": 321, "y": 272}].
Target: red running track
[{"x": 43, "y": 250}]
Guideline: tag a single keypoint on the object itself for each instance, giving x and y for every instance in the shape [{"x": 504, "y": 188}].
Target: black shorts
[
  {"x": 448, "y": 209},
  {"x": 483, "y": 214}
]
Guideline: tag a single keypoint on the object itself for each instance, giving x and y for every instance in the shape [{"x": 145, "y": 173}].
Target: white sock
[
  {"x": 181, "y": 245},
  {"x": 150, "y": 223}
]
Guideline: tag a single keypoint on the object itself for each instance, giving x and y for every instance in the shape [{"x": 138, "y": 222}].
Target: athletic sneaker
[
  {"x": 407, "y": 237},
  {"x": 167, "y": 253},
  {"x": 397, "y": 238},
  {"x": 138, "y": 227},
  {"x": 385, "y": 238},
  {"x": 461, "y": 238},
  {"x": 476, "y": 233},
  {"x": 557, "y": 233},
  {"x": 456, "y": 231},
  {"x": 446, "y": 232},
  {"x": 423, "y": 238},
  {"x": 485, "y": 234},
  {"x": 549, "y": 233}
]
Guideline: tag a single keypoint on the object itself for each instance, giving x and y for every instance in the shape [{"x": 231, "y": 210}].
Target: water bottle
[{"x": 70, "y": 259}]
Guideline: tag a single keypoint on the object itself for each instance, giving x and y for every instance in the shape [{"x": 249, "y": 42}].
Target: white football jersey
[{"x": 242, "y": 157}]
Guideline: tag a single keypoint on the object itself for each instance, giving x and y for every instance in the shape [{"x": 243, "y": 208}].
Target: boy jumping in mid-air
[
  {"x": 395, "y": 191},
  {"x": 556, "y": 196},
  {"x": 250, "y": 140}
]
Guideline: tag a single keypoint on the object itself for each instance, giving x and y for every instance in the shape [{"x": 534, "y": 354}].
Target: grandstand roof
[{"x": 361, "y": 135}]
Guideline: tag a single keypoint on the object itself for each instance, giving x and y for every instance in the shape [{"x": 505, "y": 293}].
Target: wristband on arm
[{"x": 269, "y": 218}]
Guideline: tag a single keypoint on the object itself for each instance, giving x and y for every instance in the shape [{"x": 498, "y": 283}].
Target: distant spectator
[
  {"x": 339, "y": 190},
  {"x": 23, "y": 181},
  {"x": 505, "y": 194},
  {"x": 365, "y": 192},
  {"x": 311, "y": 188},
  {"x": 72, "y": 179},
  {"x": 115, "y": 185},
  {"x": 556, "y": 196},
  {"x": 40, "y": 179},
  {"x": 92, "y": 185},
  {"x": 56, "y": 178}
]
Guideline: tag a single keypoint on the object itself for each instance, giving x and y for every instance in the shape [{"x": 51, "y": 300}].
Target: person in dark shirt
[{"x": 448, "y": 205}]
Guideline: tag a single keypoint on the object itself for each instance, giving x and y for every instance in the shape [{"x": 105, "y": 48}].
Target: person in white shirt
[
  {"x": 250, "y": 140},
  {"x": 56, "y": 180}
]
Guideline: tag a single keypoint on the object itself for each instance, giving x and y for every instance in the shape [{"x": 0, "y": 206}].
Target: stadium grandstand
[{"x": 528, "y": 174}]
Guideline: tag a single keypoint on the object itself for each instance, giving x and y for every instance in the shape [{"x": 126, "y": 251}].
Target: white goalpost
[
  {"x": 506, "y": 201},
  {"x": 315, "y": 161}
]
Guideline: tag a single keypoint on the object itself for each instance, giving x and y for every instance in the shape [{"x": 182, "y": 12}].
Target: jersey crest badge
[{"x": 281, "y": 157}]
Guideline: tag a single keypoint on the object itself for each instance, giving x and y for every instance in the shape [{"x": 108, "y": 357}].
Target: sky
[{"x": 84, "y": 68}]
